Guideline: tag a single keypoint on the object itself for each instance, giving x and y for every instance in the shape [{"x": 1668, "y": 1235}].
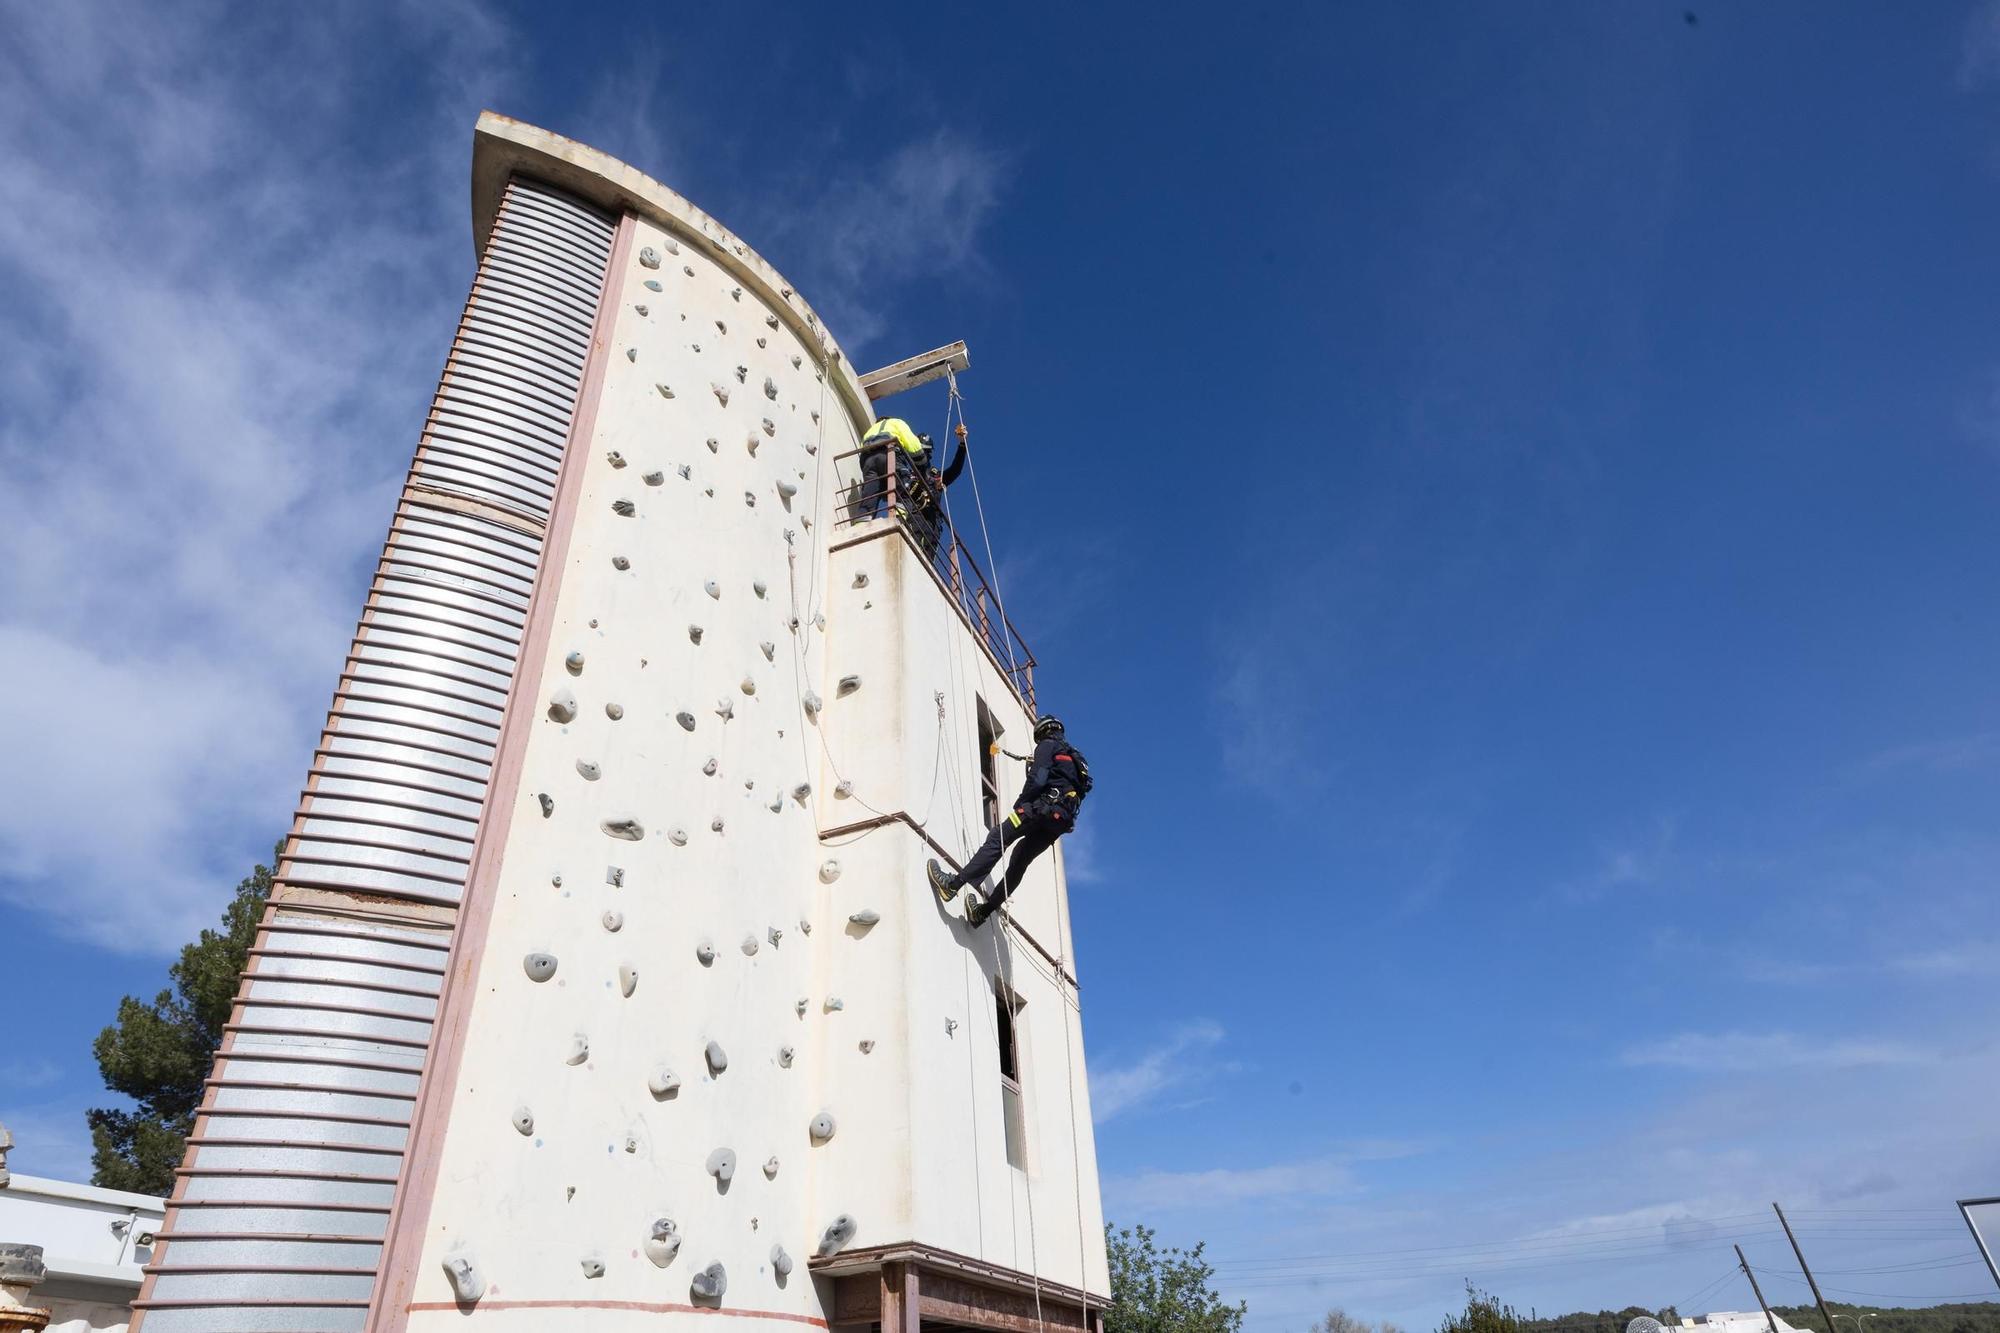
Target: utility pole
[
  {"x": 1756, "y": 1290},
  {"x": 1810, "y": 1282}
]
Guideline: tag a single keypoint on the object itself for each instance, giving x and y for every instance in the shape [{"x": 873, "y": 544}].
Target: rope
[{"x": 972, "y": 469}]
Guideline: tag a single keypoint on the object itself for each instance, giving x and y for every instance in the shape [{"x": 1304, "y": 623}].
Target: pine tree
[
  {"x": 159, "y": 1054},
  {"x": 1163, "y": 1291}
]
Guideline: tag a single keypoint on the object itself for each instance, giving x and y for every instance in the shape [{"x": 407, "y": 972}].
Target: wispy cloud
[
  {"x": 229, "y": 277},
  {"x": 1952, "y": 754},
  {"x": 1973, "y": 958},
  {"x": 916, "y": 216},
  {"x": 27, "y": 1074},
  {"x": 1762, "y": 1053},
  {"x": 1185, "y": 1057},
  {"x": 1321, "y": 1176},
  {"x": 1633, "y": 863}
]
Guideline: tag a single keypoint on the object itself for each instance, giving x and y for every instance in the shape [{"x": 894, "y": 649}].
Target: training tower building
[{"x": 601, "y": 983}]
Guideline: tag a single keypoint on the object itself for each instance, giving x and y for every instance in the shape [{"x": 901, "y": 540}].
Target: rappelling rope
[{"x": 957, "y": 400}]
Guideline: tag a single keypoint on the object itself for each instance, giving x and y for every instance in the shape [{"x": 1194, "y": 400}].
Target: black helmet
[
  {"x": 1047, "y": 725},
  {"x": 924, "y": 440}
]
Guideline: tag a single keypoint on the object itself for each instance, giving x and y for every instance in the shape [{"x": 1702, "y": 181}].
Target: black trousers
[{"x": 1030, "y": 831}]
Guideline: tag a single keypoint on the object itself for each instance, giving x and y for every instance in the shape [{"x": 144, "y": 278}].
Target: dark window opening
[
  {"x": 989, "y": 765},
  {"x": 1008, "y": 1007}
]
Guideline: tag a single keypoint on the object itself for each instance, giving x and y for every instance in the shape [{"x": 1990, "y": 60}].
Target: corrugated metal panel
[{"x": 278, "y": 1219}]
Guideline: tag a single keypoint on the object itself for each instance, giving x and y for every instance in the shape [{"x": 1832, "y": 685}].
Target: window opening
[
  {"x": 989, "y": 765},
  {"x": 1008, "y": 1008}
]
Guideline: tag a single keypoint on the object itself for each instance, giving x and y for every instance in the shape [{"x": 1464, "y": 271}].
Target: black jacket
[{"x": 1057, "y": 772}]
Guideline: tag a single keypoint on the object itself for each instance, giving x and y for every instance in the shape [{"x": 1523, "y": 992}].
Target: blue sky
[{"x": 1505, "y": 494}]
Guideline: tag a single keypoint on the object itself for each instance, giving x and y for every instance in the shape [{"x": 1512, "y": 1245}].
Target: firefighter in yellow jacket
[{"x": 890, "y": 438}]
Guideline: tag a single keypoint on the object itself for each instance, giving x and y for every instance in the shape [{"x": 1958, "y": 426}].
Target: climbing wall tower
[{"x": 601, "y": 982}]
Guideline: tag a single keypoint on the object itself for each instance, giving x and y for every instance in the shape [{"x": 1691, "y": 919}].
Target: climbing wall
[
  {"x": 278, "y": 1215},
  {"x": 638, "y": 1115}
]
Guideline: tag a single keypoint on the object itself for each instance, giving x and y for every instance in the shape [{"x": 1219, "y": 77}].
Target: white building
[
  {"x": 94, "y": 1242},
  {"x": 602, "y": 964}
]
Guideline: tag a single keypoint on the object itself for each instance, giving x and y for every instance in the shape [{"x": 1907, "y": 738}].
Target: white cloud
[
  {"x": 229, "y": 279},
  {"x": 1635, "y": 863},
  {"x": 1181, "y": 1059},
  {"x": 1762, "y": 1053},
  {"x": 917, "y": 215},
  {"x": 24, "y": 1074},
  {"x": 1163, "y": 1191}
]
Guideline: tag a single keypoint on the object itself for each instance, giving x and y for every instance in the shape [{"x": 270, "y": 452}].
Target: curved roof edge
[{"x": 502, "y": 146}]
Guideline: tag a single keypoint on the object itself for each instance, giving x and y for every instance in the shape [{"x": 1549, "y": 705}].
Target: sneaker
[
  {"x": 941, "y": 882},
  {"x": 976, "y": 911}
]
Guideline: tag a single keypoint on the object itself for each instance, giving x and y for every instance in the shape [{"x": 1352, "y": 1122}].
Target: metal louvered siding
[{"x": 278, "y": 1220}]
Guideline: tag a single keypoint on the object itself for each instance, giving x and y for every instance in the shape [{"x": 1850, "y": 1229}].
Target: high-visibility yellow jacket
[{"x": 897, "y": 429}]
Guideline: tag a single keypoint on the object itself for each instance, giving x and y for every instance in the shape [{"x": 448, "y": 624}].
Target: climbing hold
[
  {"x": 721, "y": 394},
  {"x": 722, "y": 1164},
  {"x": 787, "y": 488},
  {"x": 822, "y": 1127},
  {"x": 709, "y": 1283},
  {"x": 865, "y": 918},
  {"x": 579, "y": 1050},
  {"x": 736, "y": 293},
  {"x": 539, "y": 966},
  {"x": 843, "y": 789},
  {"x": 708, "y": 769},
  {"x": 867, "y": 1045},
  {"x": 663, "y": 1243},
  {"x": 771, "y": 1168},
  {"x": 631, "y": 830},
  {"x": 725, "y": 709},
  {"x": 819, "y": 617},
  {"x": 762, "y": 343},
  {"x": 672, "y": 248},
  {"x": 773, "y": 934},
  {"x": 677, "y": 836},
  {"x": 687, "y": 473},
  {"x": 468, "y": 1284},
  {"x": 800, "y": 1005},
  {"x": 631, "y": 354},
  {"x": 593, "y": 1266},
  {"x": 713, "y": 447},
  {"x": 615, "y": 876},
  {"x": 613, "y": 919},
  {"x": 649, "y": 257},
  {"x": 720, "y": 327},
  {"x": 811, "y": 702},
  {"x": 685, "y": 269},
  {"x": 615, "y": 458},
  {"x": 624, "y": 508},
  {"x": 556, "y": 880},
  {"x": 715, "y": 825},
  {"x": 805, "y": 926},
  {"x": 848, "y": 685},
  {"x": 770, "y": 388},
  {"x": 781, "y": 1263},
  {"x": 548, "y": 803},
  {"x": 749, "y": 499},
  {"x": 614, "y": 711},
  {"x": 802, "y": 791},
  {"x": 747, "y": 685},
  {"x": 834, "y": 1004},
  {"x": 950, "y": 1026},
  {"x": 654, "y": 478},
  {"x": 829, "y": 871},
  {"x": 758, "y": 586},
  {"x": 837, "y": 1234},
  {"x": 628, "y": 979},
  {"x": 770, "y": 426},
  {"x": 795, "y": 366},
  {"x": 663, "y": 1082},
  {"x": 562, "y": 706},
  {"x": 785, "y": 1054},
  {"x": 717, "y": 1060},
  {"x": 741, "y": 371},
  {"x": 588, "y": 770},
  {"x": 694, "y": 633},
  {"x": 769, "y": 649},
  {"x": 712, "y": 588},
  {"x": 686, "y": 719},
  {"x": 652, "y": 285},
  {"x": 666, "y": 391},
  {"x": 524, "y": 1121},
  {"x": 620, "y": 562},
  {"x": 777, "y": 804},
  {"x": 749, "y": 946},
  {"x": 861, "y": 579},
  {"x": 705, "y": 952}
]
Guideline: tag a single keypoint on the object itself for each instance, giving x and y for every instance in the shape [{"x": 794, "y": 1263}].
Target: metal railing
[{"x": 915, "y": 501}]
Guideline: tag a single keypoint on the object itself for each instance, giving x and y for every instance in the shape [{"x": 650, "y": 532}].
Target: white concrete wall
[
  {"x": 93, "y": 1269},
  {"x": 917, "y": 1154}
]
